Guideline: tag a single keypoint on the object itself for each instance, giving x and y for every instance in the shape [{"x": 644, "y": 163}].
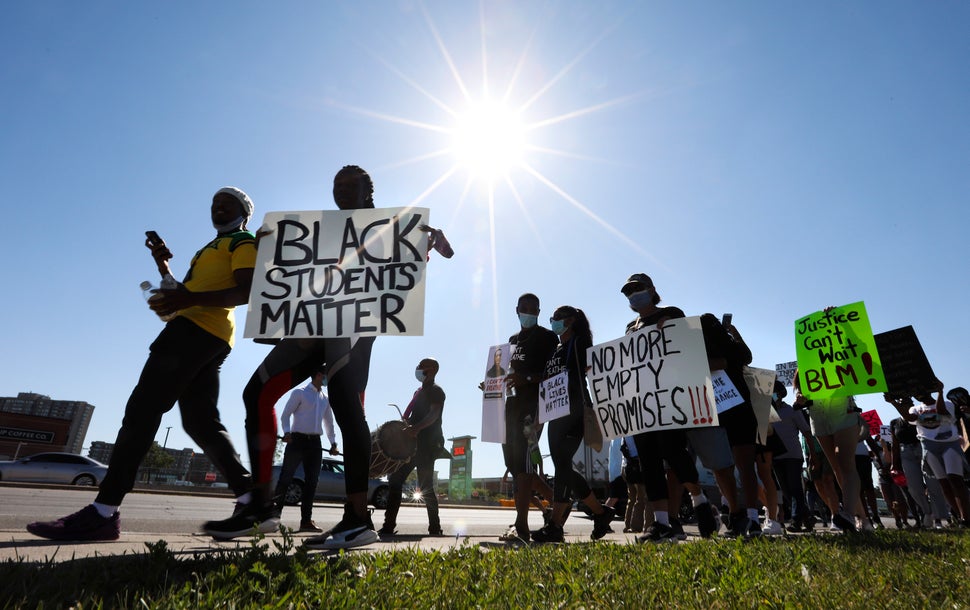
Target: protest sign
[
  {"x": 726, "y": 395},
  {"x": 873, "y": 420},
  {"x": 836, "y": 353},
  {"x": 654, "y": 379},
  {"x": 554, "y": 397},
  {"x": 493, "y": 396},
  {"x": 339, "y": 273},
  {"x": 885, "y": 433},
  {"x": 786, "y": 372},
  {"x": 761, "y": 383},
  {"x": 904, "y": 363}
]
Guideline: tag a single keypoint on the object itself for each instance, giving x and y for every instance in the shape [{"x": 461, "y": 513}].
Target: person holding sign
[
  {"x": 423, "y": 417},
  {"x": 182, "y": 366},
  {"x": 659, "y": 447},
  {"x": 837, "y": 425},
  {"x": 566, "y": 433},
  {"x": 289, "y": 363},
  {"x": 533, "y": 346},
  {"x": 936, "y": 426}
]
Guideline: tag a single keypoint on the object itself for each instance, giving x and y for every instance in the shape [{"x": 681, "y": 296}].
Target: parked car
[
  {"x": 330, "y": 486},
  {"x": 64, "y": 468}
]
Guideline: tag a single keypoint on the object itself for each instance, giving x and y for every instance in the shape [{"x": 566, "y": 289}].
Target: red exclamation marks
[
  {"x": 867, "y": 362},
  {"x": 693, "y": 405},
  {"x": 707, "y": 404}
]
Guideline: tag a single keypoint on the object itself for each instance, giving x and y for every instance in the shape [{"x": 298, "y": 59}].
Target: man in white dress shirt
[{"x": 311, "y": 416}]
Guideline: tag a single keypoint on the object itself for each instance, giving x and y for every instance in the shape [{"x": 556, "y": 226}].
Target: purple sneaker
[{"x": 86, "y": 524}]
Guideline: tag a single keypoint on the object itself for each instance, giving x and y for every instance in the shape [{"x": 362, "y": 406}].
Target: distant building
[
  {"x": 34, "y": 423},
  {"x": 189, "y": 466}
]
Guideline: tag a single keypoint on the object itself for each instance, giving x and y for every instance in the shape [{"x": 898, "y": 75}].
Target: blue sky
[{"x": 757, "y": 158}]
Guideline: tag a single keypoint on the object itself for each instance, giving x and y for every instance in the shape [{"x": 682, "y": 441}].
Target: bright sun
[{"x": 489, "y": 139}]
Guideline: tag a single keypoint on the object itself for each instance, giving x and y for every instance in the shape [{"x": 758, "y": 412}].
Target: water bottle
[{"x": 168, "y": 283}]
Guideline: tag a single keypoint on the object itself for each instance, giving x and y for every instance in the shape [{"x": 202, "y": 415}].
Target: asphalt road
[{"x": 177, "y": 519}]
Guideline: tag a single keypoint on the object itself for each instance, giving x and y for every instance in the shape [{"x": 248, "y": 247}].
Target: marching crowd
[{"x": 814, "y": 466}]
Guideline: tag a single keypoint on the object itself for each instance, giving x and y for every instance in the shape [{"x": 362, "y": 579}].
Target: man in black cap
[{"x": 183, "y": 366}]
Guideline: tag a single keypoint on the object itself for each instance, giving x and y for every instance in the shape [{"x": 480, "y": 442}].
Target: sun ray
[
  {"x": 584, "y": 111},
  {"x": 568, "y": 67},
  {"x": 445, "y": 53},
  {"x": 494, "y": 251},
  {"x": 425, "y": 157},
  {"x": 528, "y": 217},
  {"x": 592, "y": 215},
  {"x": 397, "y": 72},
  {"x": 434, "y": 185},
  {"x": 578, "y": 157},
  {"x": 481, "y": 25},
  {"x": 389, "y": 117}
]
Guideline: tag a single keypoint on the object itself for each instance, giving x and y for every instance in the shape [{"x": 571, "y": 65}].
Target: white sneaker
[
  {"x": 863, "y": 525},
  {"x": 352, "y": 531},
  {"x": 927, "y": 521},
  {"x": 772, "y": 528}
]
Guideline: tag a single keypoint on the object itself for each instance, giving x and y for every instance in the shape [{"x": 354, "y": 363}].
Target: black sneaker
[
  {"x": 243, "y": 521},
  {"x": 601, "y": 523},
  {"x": 678, "y": 529},
  {"x": 707, "y": 523},
  {"x": 737, "y": 525},
  {"x": 435, "y": 531},
  {"x": 352, "y": 531},
  {"x": 514, "y": 534},
  {"x": 385, "y": 532},
  {"x": 657, "y": 533},
  {"x": 754, "y": 529},
  {"x": 86, "y": 524},
  {"x": 549, "y": 533}
]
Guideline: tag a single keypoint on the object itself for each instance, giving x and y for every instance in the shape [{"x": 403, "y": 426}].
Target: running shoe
[
  {"x": 244, "y": 521},
  {"x": 86, "y": 524},
  {"x": 843, "y": 522},
  {"x": 678, "y": 529},
  {"x": 549, "y": 533},
  {"x": 657, "y": 533},
  {"x": 601, "y": 523},
  {"x": 737, "y": 525},
  {"x": 707, "y": 523},
  {"x": 772, "y": 528},
  {"x": 352, "y": 531}
]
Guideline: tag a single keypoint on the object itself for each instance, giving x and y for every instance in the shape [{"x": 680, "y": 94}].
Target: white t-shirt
[{"x": 933, "y": 426}]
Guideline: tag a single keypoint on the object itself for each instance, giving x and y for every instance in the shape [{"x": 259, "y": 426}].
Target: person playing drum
[{"x": 423, "y": 419}]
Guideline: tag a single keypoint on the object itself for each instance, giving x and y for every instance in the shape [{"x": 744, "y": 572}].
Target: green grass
[{"x": 888, "y": 569}]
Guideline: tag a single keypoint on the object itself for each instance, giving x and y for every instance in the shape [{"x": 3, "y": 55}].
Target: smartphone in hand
[
  {"x": 153, "y": 238},
  {"x": 726, "y": 319}
]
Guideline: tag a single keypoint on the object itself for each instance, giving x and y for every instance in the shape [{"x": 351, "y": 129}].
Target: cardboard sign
[
  {"x": 786, "y": 372},
  {"x": 836, "y": 353},
  {"x": 554, "y": 397},
  {"x": 493, "y": 397},
  {"x": 340, "y": 273},
  {"x": 653, "y": 379},
  {"x": 761, "y": 383},
  {"x": 726, "y": 395},
  {"x": 873, "y": 420},
  {"x": 904, "y": 363},
  {"x": 885, "y": 433}
]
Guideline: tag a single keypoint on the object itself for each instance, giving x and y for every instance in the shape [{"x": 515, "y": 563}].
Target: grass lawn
[{"x": 886, "y": 569}]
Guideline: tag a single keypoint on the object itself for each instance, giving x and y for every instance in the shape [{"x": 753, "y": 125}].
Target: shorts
[
  {"x": 740, "y": 424},
  {"x": 711, "y": 445},
  {"x": 831, "y": 415},
  {"x": 943, "y": 457}
]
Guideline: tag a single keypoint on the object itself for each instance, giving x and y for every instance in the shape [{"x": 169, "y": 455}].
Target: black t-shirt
[
  {"x": 427, "y": 396},
  {"x": 533, "y": 348}
]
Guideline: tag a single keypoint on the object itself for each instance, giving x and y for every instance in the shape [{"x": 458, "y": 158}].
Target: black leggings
[
  {"x": 664, "y": 445},
  {"x": 289, "y": 363},
  {"x": 565, "y": 436},
  {"x": 182, "y": 366}
]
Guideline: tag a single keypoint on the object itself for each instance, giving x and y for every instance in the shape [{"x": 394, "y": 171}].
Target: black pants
[
  {"x": 656, "y": 447},
  {"x": 424, "y": 462},
  {"x": 565, "y": 436},
  {"x": 183, "y": 366},
  {"x": 302, "y": 449},
  {"x": 288, "y": 364},
  {"x": 789, "y": 474}
]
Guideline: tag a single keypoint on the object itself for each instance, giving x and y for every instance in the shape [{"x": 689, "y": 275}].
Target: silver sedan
[{"x": 63, "y": 468}]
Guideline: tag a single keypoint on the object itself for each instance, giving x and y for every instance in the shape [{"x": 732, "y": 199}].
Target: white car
[
  {"x": 63, "y": 468},
  {"x": 331, "y": 485}
]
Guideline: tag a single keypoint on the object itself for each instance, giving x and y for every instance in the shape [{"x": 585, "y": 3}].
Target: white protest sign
[
  {"x": 761, "y": 383},
  {"x": 554, "y": 397},
  {"x": 885, "y": 433},
  {"x": 726, "y": 395},
  {"x": 786, "y": 372},
  {"x": 340, "y": 273},
  {"x": 493, "y": 396},
  {"x": 653, "y": 379}
]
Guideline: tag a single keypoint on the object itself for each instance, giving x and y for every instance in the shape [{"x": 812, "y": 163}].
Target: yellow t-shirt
[{"x": 212, "y": 269}]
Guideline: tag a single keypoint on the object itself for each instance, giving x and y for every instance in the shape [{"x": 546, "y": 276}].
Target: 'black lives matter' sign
[{"x": 340, "y": 273}]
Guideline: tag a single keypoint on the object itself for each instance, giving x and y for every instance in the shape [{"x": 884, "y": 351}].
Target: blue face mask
[
  {"x": 639, "y": 300},
  {"x": 324, "y": 382},
  {"x": 527, "y": 320},
  {"x": 558, "y": 326},
  {"x": 419, "y": 375}
]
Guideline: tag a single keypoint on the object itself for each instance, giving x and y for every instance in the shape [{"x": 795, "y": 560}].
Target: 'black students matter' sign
[{"x": 340, "y": 273}]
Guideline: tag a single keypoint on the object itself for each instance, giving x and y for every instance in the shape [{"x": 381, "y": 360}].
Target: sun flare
[{"x": 489, "y": 139}]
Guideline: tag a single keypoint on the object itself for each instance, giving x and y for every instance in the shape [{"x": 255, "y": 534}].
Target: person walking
[
  {"x": 305, "y": 418},
  {"x": 423, "y": 417},
  {"x": 182, "y": 367}
]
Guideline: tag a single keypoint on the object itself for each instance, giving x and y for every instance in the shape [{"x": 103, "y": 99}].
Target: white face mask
[
  {"x": 236, "y": 223},
  {"x": 419, "y": 375}
]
